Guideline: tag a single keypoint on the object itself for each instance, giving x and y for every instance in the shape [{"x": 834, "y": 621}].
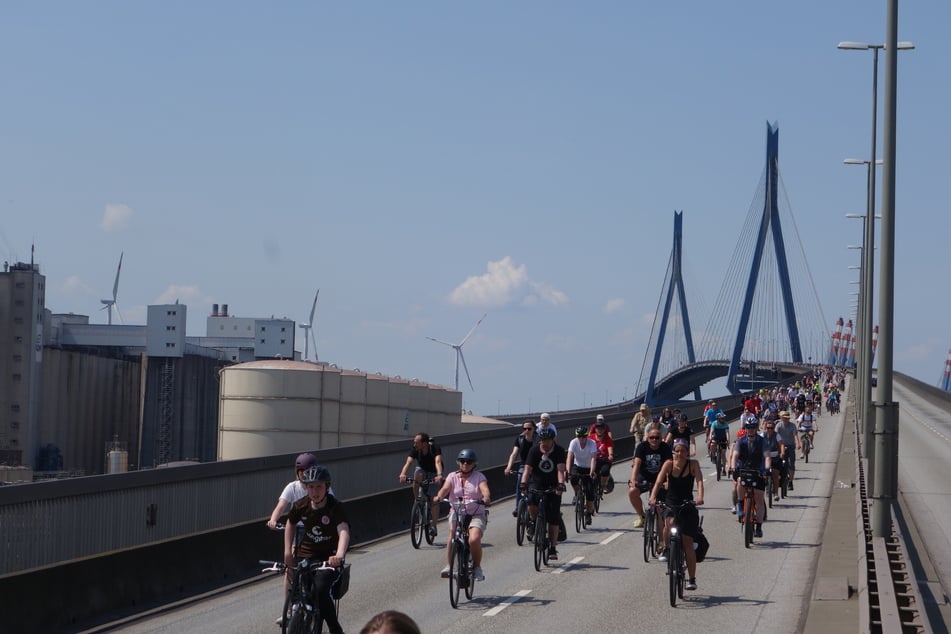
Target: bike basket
[
  {"x": 749, "y": 478},
  {"x": 342, "y": 583}
]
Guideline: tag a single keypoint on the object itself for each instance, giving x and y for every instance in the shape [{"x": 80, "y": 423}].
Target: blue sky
[{"x": 426, "y": 163}]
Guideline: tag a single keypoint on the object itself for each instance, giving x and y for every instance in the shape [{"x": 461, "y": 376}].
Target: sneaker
[
  {"x": 733, "y": 510},
  {"x": 515, "y": 513},
  {"x": 691, "y": 585},
  {"x": 662, "y": 556},
  {"x": 280, "y": 620},
  {"x": 639, "y": 521},
  {"x": 574, "y": 500},
  {"x": 444, "y": 573},
  {"x": 477, "y": 574},
  {"x": 552, "y": 554},
  {"x": 587, "y": 519},
  {"x": 432, "y": 528},
  {"x": 791, "y": 487},
  {"x": 758, "y": 531}
]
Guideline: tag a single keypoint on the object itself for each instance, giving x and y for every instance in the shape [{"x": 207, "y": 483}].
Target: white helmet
[{"x": 600, "y": 418}]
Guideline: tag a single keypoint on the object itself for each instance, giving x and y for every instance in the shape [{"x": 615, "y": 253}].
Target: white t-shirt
[
  {"x": 806, "y": 420},
  {"x": 551, "y": 426},
  {"x": 295, "y": 490},
  {"x": 582, "y": 455}
]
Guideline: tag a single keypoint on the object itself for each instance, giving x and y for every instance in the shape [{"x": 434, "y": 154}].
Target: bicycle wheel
[
  {"x": 455, "y": 557},
  {"x": 769, "y": 491},
  {"x": 673, "y": 571},
  {"x": 598, "y": 493},
  {"x": 540, "y": 540},
  {"x": 417, "y": 525},
  {"x": 521, "y": 521},
  {"x": 682, "y": 567},
  {"x": 469, "y": 577},
  {"x": 427, "y": 519},
  {"x": 648, "y": 535},
  {"x": 719, "y": 462},
  {"x": 297, "y": 620},
  {"x": 784, "y": 484},
  {"x": 748, "y": 520},
  {"x": 579, "y": 512}
]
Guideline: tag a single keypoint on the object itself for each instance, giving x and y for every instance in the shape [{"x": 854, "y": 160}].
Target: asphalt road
[{"x": 601, "y": 583}]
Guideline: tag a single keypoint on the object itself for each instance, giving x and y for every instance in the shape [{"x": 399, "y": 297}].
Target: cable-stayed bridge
[{"x": 766, "y": 318}]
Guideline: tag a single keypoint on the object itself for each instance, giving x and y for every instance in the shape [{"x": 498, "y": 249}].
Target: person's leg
[{"x": 475, "y": 545}]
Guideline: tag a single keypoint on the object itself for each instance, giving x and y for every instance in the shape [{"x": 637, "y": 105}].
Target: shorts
[
  {"x": 475, "y": 521},
  {"x": 431, "y": 489},
  {"x": 686, "y": 517}
]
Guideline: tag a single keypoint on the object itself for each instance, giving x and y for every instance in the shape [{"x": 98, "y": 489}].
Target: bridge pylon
[
  {"x": 770, "y": 226},
  {"x": 676, "y": 285}
]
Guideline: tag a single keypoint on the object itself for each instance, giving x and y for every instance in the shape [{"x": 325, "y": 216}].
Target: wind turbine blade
[
  {"x": 314, "y": 308},
  {"x": 461, "y": 356},
  {"x": 118, "y": 313},
  {"x": 445, "y": 343},
  {"x": 115, "y": 287},
  {"x": 464, "y": 339},
  {"x": 314, "y": 337}
]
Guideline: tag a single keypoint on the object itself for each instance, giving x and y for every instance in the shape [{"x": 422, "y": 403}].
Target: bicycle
[
  {"x": 783, "y": 477},
  {"x": 301, "y": 613},
  {"x": 542, "y": 541},
  {"x": 461, "y": 567},
  {"x": 421, "y": 516},
  {"x": 652, "y": 536},
  {"x": 523, "y": 519},
  {"x": 748, "y": 480},
  {"x": 720, "y": 458},
  {"x": 581, "y": 505},
  {"x": 805, "y": 440},
  {"x": 598, "y": 494},
  {"x": 676, "y": 559}
]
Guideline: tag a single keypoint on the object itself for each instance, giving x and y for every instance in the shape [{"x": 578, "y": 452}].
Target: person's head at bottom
[{"x": 390, "y": 622}]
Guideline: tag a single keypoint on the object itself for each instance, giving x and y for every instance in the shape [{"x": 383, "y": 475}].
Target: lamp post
[{"x": 884, "y": 468}]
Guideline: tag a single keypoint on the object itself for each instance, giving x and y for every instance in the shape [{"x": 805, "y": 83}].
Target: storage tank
[{"x": 117, "y": 457}]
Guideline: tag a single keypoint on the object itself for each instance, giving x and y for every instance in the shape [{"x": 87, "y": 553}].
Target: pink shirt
[{"x": 467, "y": 489}]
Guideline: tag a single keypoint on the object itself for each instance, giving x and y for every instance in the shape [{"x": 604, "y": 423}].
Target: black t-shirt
[
  {"x": 524, "y": 444},
  {"x": 652, "y": 459},
  {"x": 545, "y": 468},
  {"x": 427, "y": 461},
  {"x": 320, "y": 527},
  {"x": 686, "y": 434}
]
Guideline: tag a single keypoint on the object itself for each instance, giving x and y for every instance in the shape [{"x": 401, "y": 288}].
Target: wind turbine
[
  {"x": 309, "y": 330},
  {"x": 459, "y": 356},
  {"x": 109, "y": 303}
]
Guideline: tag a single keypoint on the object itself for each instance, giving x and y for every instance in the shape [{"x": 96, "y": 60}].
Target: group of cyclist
[{"x": 774, "y": 424}]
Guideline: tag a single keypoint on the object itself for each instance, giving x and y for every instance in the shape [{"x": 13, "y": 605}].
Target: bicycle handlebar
[{"x": 279, "y": 566}]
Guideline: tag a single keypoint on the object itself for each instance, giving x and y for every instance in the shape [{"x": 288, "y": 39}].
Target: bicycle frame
[
  {"x": 460, "y": 555},
  {"x": 301, "y": 611},
  {"x": 541, "y": 539},
  {"x": 421, "y": 516},
  {"x": 676, "y": 560},
  {"x": 748, "y": 479}
]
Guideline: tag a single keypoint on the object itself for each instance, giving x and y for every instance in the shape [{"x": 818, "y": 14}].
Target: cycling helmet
[
  {"x": 751, "y": 423},
  {"x": 315, "y": 474},
  {"x": 305, "y": 461},
  {"x": 684, "y": 418},
  {"x": 600, "y": 418},
  {"x": 546, "y": 434},
  {"x": 467, "y": 454},
  {"x": 581, "y": 431}
]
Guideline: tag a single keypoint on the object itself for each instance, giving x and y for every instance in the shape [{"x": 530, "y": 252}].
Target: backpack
[{"x": 701, "y": 545}]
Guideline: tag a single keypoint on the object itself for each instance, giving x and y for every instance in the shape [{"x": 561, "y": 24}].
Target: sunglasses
[
  {"x": 770, "y": 427},
  {"x": 653, "y": 438},
  {"x": 528, "y": 428},
  {"x": 465, "y": 462}
]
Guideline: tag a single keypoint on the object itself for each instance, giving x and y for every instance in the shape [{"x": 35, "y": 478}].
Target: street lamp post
[{"x": 884, "y": 469}]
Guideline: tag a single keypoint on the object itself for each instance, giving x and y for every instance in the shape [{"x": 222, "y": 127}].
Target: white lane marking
[
  {"x": 610, "y": 538},
  {"x": 567, "y": 565},
  {"x": 511, "y": 600}
]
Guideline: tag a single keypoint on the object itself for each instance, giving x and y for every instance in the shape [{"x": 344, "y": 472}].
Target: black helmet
[
  {"x": 546, "y": 434},
  {"x": 684, "y": 418},
  {"x": 467, "y": 454},
  {"x": 305, "y": 461},
  {"x": 581, "y": 431},
  {"x": 315, "y": 474}
]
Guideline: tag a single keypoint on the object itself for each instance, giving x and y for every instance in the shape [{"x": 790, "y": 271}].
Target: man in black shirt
[
  {"x": 545, "y": 468},
  {"x": 428, "y": 457},
  {"x": 649, "y": 456}
]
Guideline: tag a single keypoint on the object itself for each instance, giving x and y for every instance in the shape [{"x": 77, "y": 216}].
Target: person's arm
[
  {"x": 592, "y": 468},
  {"x": 438, "y": 468},
  {"x": 664, "y": 470},
  {"x": 484, "y": 490},
  {"x": 343, "y": 544},
  {"x": 698, "y": 477},
  {"x": 526, "y": 473},
  {"x": 561, "y": 474},
  {"x": 610, "y": 445},
  {"x": 570, "y": 461},
  {"x": 276, "y": 514},
  {"x": 409, "y": 461},
  {"x": 511, "y": 463},
  {"x": 290, "y": 529},
  {"x": 443, "y": 490}
]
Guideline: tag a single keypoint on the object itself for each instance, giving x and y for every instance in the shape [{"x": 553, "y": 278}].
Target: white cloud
[
  {"x": 613, "y": 305},
  {"x": 504, "y": 283},
  {"x": 116, "y": 217}
]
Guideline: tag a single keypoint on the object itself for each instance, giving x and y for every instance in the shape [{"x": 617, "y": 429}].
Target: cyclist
[
  {"x": 523, "y": 442},
  {"x": 469, "y": 484},
  {"x": 582, "y": 468},
  {"x": 544, "y": 422},
  {"x": 640, "y": 421},
  {"x": 710, "y": 415},
  {"x": 807, "y": 423},
  {"x": 682, "y": 430},
  {"x": 773, "y": 447},
  {"x": 605, "y": 459},
  {"x": 649, "y": 456},
  {"x": 679, "y": 476},
  {"x": 428, "y": 457},
  {"x": 668, "y": 419},
  {"x": 544, "y": 468},
  {"x": 294, "y": 490},
  {"x": 655, "y": 425},
  {"x": 600, "y": 420},
  {"x": 326, "y": 537},
  {"x": 786, "y": 430},
  {"x": 718, "y": 434},
  {"x": 749, "y": 454}
]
